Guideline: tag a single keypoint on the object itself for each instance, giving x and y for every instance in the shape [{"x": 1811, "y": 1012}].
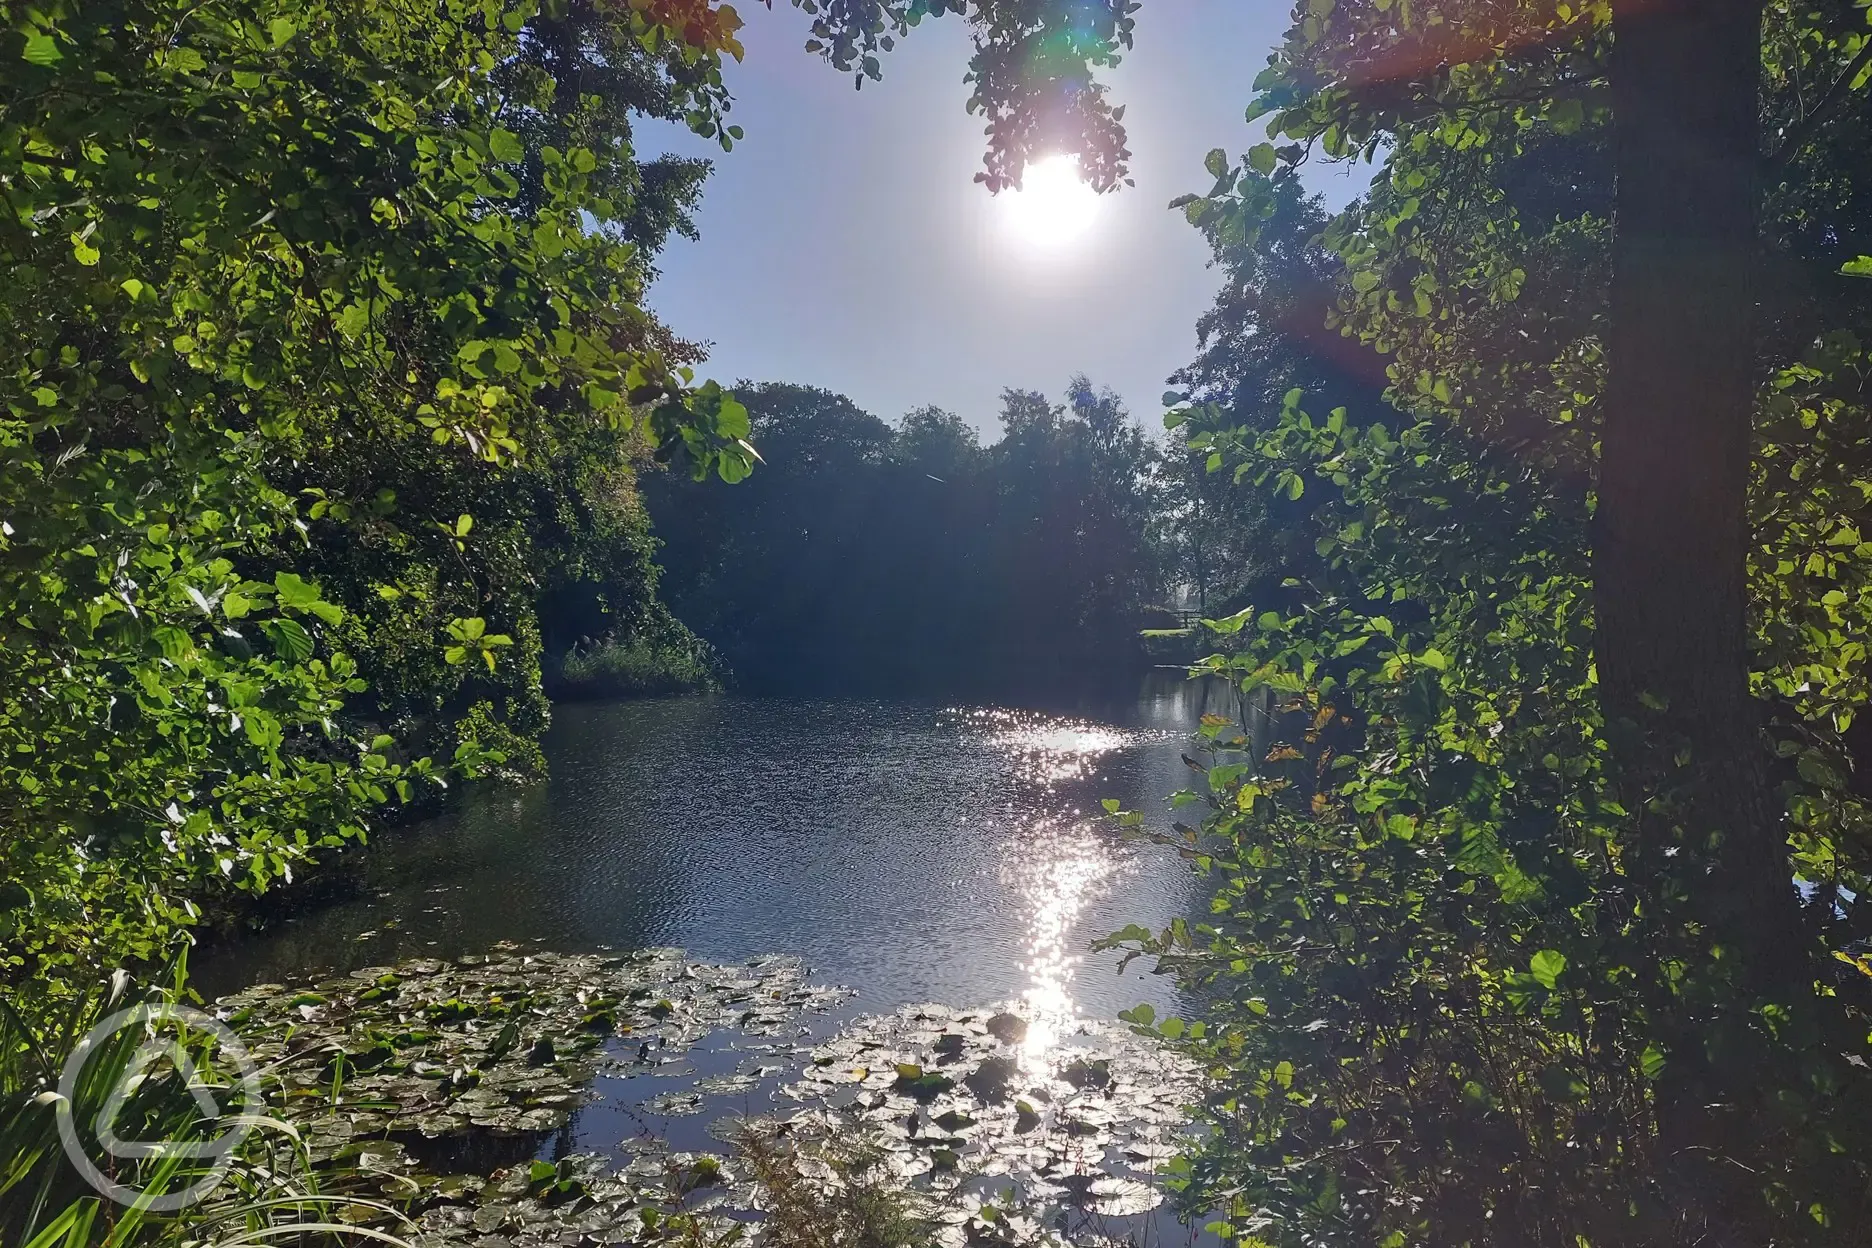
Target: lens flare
[{"x": 1053, "y": 208}]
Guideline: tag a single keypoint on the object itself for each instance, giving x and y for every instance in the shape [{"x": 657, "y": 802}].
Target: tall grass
[
  {"x": 637, "y": 667},
  {"x": 268, "y": 1194}
]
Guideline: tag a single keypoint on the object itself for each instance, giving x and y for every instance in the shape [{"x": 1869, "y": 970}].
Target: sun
[{"x": 1053, "y": 207}]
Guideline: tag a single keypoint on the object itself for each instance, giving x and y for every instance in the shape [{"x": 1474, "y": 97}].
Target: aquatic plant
[
  {"x": 265, "y": 1190},
  {"x": 451, "y": 1084}
]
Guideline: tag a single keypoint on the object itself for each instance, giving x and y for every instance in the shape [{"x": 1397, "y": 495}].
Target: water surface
[{"x": 914, "y": 850}]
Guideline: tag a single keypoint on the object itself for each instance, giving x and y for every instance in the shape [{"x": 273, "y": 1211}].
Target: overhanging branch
[{"x": 1802, "y": 132}]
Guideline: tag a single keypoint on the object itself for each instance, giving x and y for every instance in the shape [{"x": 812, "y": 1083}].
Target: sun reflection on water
[
  {"x": 1059, "y": 870},
  {"x": 1058, "y": 861},
  {"x": 1047, "y": 749},
  {"x": 1059, "y": 864}
]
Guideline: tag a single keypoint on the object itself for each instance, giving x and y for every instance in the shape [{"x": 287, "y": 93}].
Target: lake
[{"x": 911, "y": 849}]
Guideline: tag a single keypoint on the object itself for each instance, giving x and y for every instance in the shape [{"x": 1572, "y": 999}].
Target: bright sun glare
[{"x": 1053, "y": 207}]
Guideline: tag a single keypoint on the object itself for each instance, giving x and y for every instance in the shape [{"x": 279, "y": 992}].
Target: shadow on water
[{"x": 913, "y": 849}]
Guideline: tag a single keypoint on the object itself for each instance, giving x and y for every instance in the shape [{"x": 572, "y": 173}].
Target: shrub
[{"x": 638, "y": 667}]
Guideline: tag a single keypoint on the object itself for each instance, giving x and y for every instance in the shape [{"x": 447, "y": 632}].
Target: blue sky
[{"x": 845, "y": 244}]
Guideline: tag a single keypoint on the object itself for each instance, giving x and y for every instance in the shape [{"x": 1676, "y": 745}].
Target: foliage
[
  {"x": 550, "y": 552},
  {"x": 234, "y": 232},
  {"x": 1266, "y": 335},
  {"x": 1465, "y": 980},
  {"x": 1426, "y": 824},
  {"x": 553, "y": 547},
  {"x": 675, "y": 662},
  {"x": 863, "y": 1207},
  {"x": 858, "y": 544},
  {"x": 1032, "y": 75},
  {"x": 269, "y": 1190}
]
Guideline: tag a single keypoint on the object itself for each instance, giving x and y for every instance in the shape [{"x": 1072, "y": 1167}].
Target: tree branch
[{"x": 1803, "y": 130}]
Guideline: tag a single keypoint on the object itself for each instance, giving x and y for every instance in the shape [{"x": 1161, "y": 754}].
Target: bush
[{"x": 638, "y": 667}]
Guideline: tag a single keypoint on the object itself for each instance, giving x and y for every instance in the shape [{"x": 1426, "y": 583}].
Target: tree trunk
[
  {"x": 1672, "y": 519},
  {"x": 1671, "y": 604}
]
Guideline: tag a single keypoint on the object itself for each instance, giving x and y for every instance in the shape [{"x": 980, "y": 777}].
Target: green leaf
[
  {"x": 281, "y": 29},
  {"x": 1546, "y": 967},
  {"x": 173, "y": 642},
  {"x": 733, "y": 467},
  {"x": 505, "y": 146},
  {"x": 1652, "y": 1061},
  {"x": 1262, "y": 158},
  {"x": 42, "y": 50},
  {"x": 262, "y": 729},
  {"x": 732, "y": 420},
  {"x": 294, "y": 591},
  {"x": 1216, "y": 162},
  {"x": 289, "y": 639}
]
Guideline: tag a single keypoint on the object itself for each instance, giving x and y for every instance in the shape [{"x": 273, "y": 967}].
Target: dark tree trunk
[
  {"x": 1672, "y": 520},
  {"x": 1669, "y": 575}
]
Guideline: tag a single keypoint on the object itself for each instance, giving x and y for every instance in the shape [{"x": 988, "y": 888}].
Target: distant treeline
[{"x": 916, "y": 550}]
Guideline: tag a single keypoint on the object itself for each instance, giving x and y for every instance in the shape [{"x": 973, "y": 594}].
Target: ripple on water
[{"x": 914, "y": 851}]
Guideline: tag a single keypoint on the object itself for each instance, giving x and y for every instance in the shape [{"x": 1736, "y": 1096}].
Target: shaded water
[{"x": 912, "y": 850}]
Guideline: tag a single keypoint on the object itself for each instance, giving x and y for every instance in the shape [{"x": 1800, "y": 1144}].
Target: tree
[
  {"x": 776, "y": 573},
  {"x": 1268, "y": 334},
  {"x": 860, "y": 547},
  {"x": 938, "y": 444},
  {"x": 1710, "y": 1060},
  {"x": 1672, "y": 522},
  {"x": 231, "y": 230},
  {"x": 1074, "y": 484},
  {"x": 557, "y": 553}
]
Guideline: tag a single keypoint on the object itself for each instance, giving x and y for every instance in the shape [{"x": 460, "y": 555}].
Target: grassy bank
[{"x": 637, "y": 667}]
